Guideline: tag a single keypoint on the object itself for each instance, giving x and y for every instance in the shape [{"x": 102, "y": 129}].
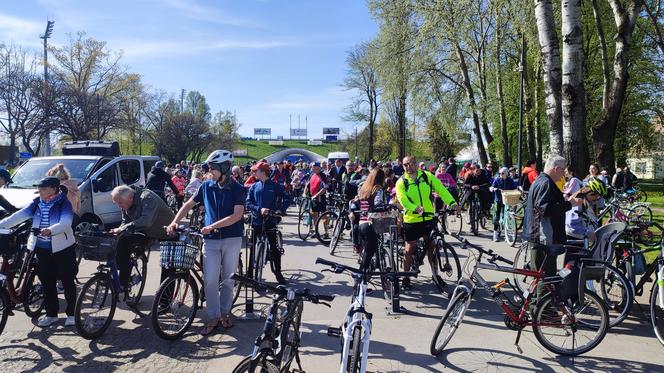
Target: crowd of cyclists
[{"x": 557, "y": 203}]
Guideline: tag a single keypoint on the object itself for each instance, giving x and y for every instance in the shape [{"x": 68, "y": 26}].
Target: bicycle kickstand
[
  {"x": 299, "y": 364},
  {"x": 518, "y": 337}
]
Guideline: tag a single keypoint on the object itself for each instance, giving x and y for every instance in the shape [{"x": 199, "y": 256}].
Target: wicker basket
[
  {"x": 381, "y": 221},
  {"x": 97, "y": 247},
  {"x": 178, "y": 255},
  {"x": 511, "y": 197}
]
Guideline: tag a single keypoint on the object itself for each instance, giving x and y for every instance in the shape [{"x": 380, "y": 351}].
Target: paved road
[{"x": 399, "y": 344}]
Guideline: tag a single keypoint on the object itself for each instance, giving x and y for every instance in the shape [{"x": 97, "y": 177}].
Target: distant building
[{"x": 650, "y": 166}]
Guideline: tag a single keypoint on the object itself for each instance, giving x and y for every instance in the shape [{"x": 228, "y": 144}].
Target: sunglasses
[{"x": 223, "y": 168}]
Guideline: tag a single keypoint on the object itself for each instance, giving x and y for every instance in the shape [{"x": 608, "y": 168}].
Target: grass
[
  {"x": 656, "y": 202},
  {"x": 257, "y": 150}
]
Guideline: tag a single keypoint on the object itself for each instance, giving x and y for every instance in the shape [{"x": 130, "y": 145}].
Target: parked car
[{"x": 96, "y": 176}]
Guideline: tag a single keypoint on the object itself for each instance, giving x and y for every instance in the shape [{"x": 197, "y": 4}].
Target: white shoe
[
  {"x": 70, "y": 321},
  {"x": 495, "y": 236},
  {"x": 47, "y": 321}
]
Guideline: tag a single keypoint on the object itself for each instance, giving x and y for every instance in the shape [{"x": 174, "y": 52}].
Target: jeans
[
  {"x": 369, "y": 241},
  {"x": 58, "y": 266},
  {"x": 496, "y": 217},
  {"x": 220, "y": 258}
]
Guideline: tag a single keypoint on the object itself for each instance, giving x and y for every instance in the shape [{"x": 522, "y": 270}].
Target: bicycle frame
[
  {"x": 357, "y": 316},
  {"x": 18, "y": 293}
]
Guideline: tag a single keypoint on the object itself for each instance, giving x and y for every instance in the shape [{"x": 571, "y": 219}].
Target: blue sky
[{"x": 265, "y": 59}]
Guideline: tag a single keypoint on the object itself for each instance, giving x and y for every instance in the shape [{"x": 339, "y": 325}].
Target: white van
[
  {"x": 333, "y": 156},
  {"x": 96, "y": 176}
]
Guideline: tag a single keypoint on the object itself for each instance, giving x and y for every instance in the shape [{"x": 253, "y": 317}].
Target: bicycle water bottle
[{"x": 660, "y": 285}]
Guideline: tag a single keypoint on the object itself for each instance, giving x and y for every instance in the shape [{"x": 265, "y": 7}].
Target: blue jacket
[
  {"x": 499, "y": 183},
  {"x": 61, "y": 216},
  {"x": 266, "y": 194}
]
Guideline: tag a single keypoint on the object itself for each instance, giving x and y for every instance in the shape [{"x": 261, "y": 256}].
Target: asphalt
[{"x": 398, "y": 343}]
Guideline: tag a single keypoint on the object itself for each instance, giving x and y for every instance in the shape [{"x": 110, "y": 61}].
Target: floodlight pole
[{"x": 46, "y": 36}]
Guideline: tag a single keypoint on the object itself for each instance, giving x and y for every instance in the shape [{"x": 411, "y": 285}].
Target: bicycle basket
[
  {"x": 178, "y": 255},
  {"x": 97, "y": 247},
  {"x": 381, "y": 221},
  {"x": 511, "y": 197}
]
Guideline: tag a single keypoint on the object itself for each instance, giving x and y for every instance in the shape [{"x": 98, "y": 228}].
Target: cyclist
[
  {"x": 370, "y": 197},
  {"x": 528, "y": 175},
  {"x": 158, "y": 179},
  {"x": 142, "y": 211},
  {"x": 52, "y": 213},
  {"x": 502, "y": 182},
  {"x": 264, "y": 197},
  {"x": 476, "y": 182},
  {"x": 316, "y": 188},
  {"x": 223, "y": 199},
  {"x": 414, "y": 192},
  {"x": 575, "y": 225},
  {"x": 336, "y": 175},
  {"x": 180, "y": 181}
]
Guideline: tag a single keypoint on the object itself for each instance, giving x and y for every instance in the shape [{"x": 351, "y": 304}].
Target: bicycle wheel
[
  {"x": 386, "y": 264},
  {"x": 260, "y": 260},
  {"x": 95, "y": 306},
  {"x": 453, "y": 222},
  {"x": 522, "y": 261},
  {"x": 519, "y": 213},
  {"x": 510, "y": 228},
  {"x": 33, "y": 303},
  {"x": 639, "y": 214},
  {"x": 448, "y": 262},
  {"x": 336, "y": 234},
  {"x": 238, "y": 285},
  {"x": 570, "y": 330},
  {"x": 326, "y": 222},
  {"x": 474, "y": 218},
  {"x": 290, "y": 334},
  {"x": 304, "y": 224},
  {"x": 649, "y": 236},
  {"x": 617, "y": 294},
  {"x": 174, "y": 307},
  {"x": 5, "y": 308},
  {"x": 261, "y": 365},
  {"x": 450, "y": 322},
  {"x": 641, "y": 195},
  {"x": 137, "y": 276},
  {"x": 656, "y": 313},
  {"x": 355, "y": 361}
]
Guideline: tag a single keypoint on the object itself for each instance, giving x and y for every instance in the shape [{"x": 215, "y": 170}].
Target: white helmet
[{"x": 219, "y": 156}]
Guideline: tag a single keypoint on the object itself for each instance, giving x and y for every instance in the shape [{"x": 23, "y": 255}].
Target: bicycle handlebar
[
  {"x": 338, "y": 268},
  {"x": 494, "y": 257},
  {"x": 282, "y": 291}
]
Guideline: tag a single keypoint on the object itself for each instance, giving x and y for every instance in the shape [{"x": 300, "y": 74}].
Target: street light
[{"x": 46, "y": 36}]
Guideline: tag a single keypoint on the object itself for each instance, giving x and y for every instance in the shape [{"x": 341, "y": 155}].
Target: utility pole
[
  {"x": 46, "y": 36},
  {"x": 290, "y": 126},
  {"x": 521, "y": 70},
  {"x": 98, "y": 122},
  {"x": 182, "y": 101}
]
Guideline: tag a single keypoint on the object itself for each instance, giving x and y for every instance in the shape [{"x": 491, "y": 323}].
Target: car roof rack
[{"x": 90, "y": 147}]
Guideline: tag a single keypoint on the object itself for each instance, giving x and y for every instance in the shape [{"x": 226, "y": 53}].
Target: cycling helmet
[
  {"x": 220, "y": 156},
  {"x": 597, "y": 186}
]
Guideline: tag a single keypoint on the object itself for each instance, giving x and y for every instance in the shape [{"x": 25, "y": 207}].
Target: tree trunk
[
  {"x": 401, "y": 115},
  {"x": 481, "y": 71},
  {"x": 528, "y": 111},
  {"x": 575, "y": 143},
  {"x": 659, "y": 39},
  {"x": 471, "y": 100},
  {"x": 604, "y": 131},
  {"x": 606, "y": 76},
  {"x": 550, "y": 50},
  {"x": 507, "y": 158},
  {"x": 538, "y": 124}
]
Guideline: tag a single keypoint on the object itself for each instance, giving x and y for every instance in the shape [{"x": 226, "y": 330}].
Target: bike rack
[
  {"x": 249, "y": 313},
  {"x": 395, "y": 308}
]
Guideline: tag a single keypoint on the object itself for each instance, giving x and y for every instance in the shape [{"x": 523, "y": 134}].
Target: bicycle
[
  {"x": 554, "y": 312},
  {"x": 260, "y": 247},
  {"x": 337, "y": 218},
  {"x": 450, "y": 220},
  {"x": 657, "y": 296},
  {"x": 305, "y": 226},
  {"x": 279, "y": 342},
  {"x": 445, "y": 256},
  {"x": 476, "y": 215},
  {"x": 177, "y": 298},
  {"x": 19, "y": 283},
  {"x": 356, "y": 328},
  {"x": 98, "y": 298},
  {"x": 513, "y": 213}
]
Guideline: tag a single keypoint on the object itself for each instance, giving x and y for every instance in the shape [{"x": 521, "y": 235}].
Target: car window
[
  {"x": 35, "y": 169},
  {"x": 130, "y": 170},
  {"x": 147, "y": 166},
  {"x": 107, "y": 180}
]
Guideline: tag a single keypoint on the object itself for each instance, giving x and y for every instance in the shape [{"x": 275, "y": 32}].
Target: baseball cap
[
  {"x": 159, "y": 164},
  {"x": 50, "y": 181},
  {"x": 316, "y": 164},
  {"x": 263, "y": 166}
]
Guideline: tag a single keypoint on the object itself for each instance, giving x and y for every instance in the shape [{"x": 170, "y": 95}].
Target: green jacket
[
  {"x": 413, "y": 194},
  {"x": 148, "y": 214}
]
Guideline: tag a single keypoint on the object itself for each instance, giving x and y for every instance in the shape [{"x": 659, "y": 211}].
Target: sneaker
[
  {"x": 496, "y": 236},
  {"x": 46, "y": 321},
  {"x": 61, "y": 289},
  {"x": 440, "y": 283},
  {"x": 70, "y": 321}
]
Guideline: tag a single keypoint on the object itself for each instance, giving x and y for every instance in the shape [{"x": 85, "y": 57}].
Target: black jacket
[
  {"x": 157, "y": 180},
  {"x": 544, "y": 220}
]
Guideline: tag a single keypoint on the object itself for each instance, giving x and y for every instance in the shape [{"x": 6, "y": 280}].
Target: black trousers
[
  {"x": 58, "y": 266},
  {"x": 132, "y": 244},
  {"x": 369, "y": 241},
  {"x": 271, "y": 233}
]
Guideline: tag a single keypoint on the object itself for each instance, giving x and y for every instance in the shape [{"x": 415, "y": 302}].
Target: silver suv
[{"x": 96, "y": 177}]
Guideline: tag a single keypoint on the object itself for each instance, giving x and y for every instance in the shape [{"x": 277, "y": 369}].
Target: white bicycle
[{"x": 356, "y": 329}]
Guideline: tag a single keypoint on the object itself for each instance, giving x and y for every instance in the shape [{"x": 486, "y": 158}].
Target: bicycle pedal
[{"x": 334, "y": 332}]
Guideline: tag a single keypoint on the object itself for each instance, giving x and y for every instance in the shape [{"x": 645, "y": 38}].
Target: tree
[
  {"x": 197, "y": 105},
  {"x": 223, "y": 132},
  {"x": 362, "y": 76},
  {"x": 573, "y": 102},
  {"x": 551, "y": 72}
]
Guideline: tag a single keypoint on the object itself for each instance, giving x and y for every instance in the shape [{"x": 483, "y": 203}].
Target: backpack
[
  {"x": 406, "y": 183},
  {"x": 524, "y": 182}
]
